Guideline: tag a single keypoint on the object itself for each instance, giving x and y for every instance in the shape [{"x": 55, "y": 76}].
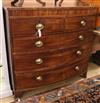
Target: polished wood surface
[
  {"x": 50, "y": 42},
  {"x": 48, "y": 77},
  {"x": 51, "y": 24},
  {"x": 62, "y": 51},
  {"x": 94, "y": 3},
  {"x": 51, "y": 61}
]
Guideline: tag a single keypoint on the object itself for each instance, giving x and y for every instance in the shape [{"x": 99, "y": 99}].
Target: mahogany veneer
[{"x": 61, "y": 52}]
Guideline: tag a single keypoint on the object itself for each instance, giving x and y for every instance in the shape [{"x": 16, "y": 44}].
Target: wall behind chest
[{"x": 4, "y": 78}]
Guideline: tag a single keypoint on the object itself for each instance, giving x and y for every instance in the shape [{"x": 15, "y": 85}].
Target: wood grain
[{"x": 60, "y": 37}]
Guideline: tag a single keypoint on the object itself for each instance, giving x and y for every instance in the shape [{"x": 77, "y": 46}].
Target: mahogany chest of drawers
[{"x": 48, "y": 45}]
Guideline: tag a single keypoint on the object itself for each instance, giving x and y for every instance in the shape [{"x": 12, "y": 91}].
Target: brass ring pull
[
  {"x": 81, "y": 37},
  {"x": 79, "y": 52},
  {"x": 77, "y": 68},
  {"x": 38, "y": 43},
  {"x": 39, "y": 61},
  {"x": 83, "y": 23},
  {"x": 39, "y": 78}
]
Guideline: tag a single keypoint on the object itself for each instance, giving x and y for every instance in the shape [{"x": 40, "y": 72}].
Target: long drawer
[
  {"x": 51, "y": 42},
  {"x": 26, "y": 27},
  {"x": 27, "y": 80},
  {"x": 50, "y": 60}
]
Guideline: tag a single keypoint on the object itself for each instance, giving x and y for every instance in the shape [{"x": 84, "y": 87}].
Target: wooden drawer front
[
  {"x": 80, "y": 23},
  {"x": 49, "y": 61},
  {"x": 76, "y": 68},
  {"x": 27, "y": 26},
  {"x": 35, "y": 79},
  {"x": 51, "y": 42}
]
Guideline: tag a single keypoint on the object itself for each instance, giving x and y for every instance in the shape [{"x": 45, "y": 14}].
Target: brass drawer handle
[
  {"x": 79, "y": 52},
  {"x": 39, "y": 27},
  {"x": 39, "y": 61},
  {"x": 38, "y": 43},
  {"x": 39, "y": 78},
  {"x": 83, "y": 23},
  {"x": 77, "y": 68},
  {"x": 81, "y": 37}
]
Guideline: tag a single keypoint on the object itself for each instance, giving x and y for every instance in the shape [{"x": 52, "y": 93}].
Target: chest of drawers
[{"x": 60, "y": 52}]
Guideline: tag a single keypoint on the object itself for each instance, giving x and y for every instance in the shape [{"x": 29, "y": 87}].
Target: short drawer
[
  {"x": 26, "y": 27},
  {"x": 36, "y": 79},
  {"x": 49, "y": 60},
  {"x": 51, "y": 42},
  {"x": 80, "y": 23}
]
